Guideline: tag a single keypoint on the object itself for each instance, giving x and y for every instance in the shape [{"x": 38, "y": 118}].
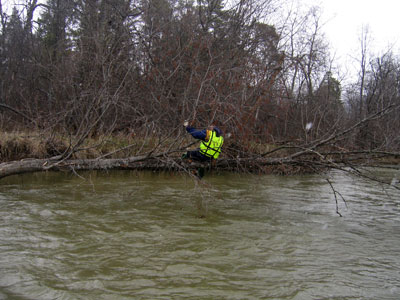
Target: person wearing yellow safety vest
[{"x": 210, "y": 146}]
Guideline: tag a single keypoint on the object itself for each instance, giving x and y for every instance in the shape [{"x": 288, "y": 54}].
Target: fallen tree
[
  {"x": 304, "y": 161},
  {"x": 317, "y": 156},
  {"x": 161, "y": 162}
]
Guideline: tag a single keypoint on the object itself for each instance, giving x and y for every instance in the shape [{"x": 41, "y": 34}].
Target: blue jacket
[{"x": 201, "y": 134}]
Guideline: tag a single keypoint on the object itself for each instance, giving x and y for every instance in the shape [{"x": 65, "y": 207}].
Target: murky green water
[{"x": 133, "y": 235}]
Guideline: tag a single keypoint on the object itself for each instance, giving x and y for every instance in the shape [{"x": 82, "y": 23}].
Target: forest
[{"x": 108, "y": 84}]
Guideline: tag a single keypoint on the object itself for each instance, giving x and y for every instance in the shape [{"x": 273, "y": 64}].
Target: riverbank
[
  {"x": 17, "y": 145},
  {"x": 22, "y": 152}
]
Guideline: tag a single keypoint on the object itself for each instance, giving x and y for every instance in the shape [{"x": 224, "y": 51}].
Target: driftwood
[
  {"x": 156, "y": 162},
  {"x": 311, "y": 161},
  {"x": 57, "y": 164}
]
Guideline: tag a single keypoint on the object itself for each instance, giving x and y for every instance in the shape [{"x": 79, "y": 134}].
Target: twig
[{"x": 335, "y": 192}]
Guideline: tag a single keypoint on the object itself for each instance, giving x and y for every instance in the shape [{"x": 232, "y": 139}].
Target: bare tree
[{"x": 93, "y": 68}]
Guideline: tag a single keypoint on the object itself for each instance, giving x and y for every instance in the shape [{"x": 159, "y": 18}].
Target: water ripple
[{"x": 139, "y": 236}]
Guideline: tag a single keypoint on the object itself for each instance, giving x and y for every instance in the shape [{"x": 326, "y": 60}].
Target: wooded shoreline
[
  {"x": 283, "y": 160},
  {"x": 108, "y": 85}
]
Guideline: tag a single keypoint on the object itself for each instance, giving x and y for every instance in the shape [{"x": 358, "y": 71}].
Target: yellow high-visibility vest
[{"x": 212, "y": 147}]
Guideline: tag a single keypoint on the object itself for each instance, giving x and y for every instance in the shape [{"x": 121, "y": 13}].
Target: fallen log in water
[
  {"x": 56, "y": 164},
  {"x": 307, "y": 162},
  {"x": 315, "y": 156},
  {"x": 156, "y": 162}
]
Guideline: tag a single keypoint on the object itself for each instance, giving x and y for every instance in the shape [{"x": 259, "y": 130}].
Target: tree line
[{"x": 87, "y": 67}]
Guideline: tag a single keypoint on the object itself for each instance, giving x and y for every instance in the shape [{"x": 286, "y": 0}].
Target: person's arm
[{"x": 196, "y": 133}]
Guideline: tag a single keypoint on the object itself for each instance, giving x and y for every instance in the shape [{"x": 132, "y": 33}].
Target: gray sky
[{"x": 344, "y": 20}]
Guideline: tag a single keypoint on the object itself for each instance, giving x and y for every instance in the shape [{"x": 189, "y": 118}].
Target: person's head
[{"x": 215, "y": 129}]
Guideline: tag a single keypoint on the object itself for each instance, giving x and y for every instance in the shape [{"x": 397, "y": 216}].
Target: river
[{"x": 141, "y": 235}]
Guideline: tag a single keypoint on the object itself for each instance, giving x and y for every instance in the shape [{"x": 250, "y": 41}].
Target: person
[{"x": 210, "y": 145}]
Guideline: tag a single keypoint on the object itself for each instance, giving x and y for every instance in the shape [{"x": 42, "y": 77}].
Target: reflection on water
[{"x": 127, "y": 235}]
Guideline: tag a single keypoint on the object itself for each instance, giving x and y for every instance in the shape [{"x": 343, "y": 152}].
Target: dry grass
[{"x": 18, "y": 145}]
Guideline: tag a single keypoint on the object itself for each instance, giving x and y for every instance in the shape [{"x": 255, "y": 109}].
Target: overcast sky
[{"x": 346, "y": 18}]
